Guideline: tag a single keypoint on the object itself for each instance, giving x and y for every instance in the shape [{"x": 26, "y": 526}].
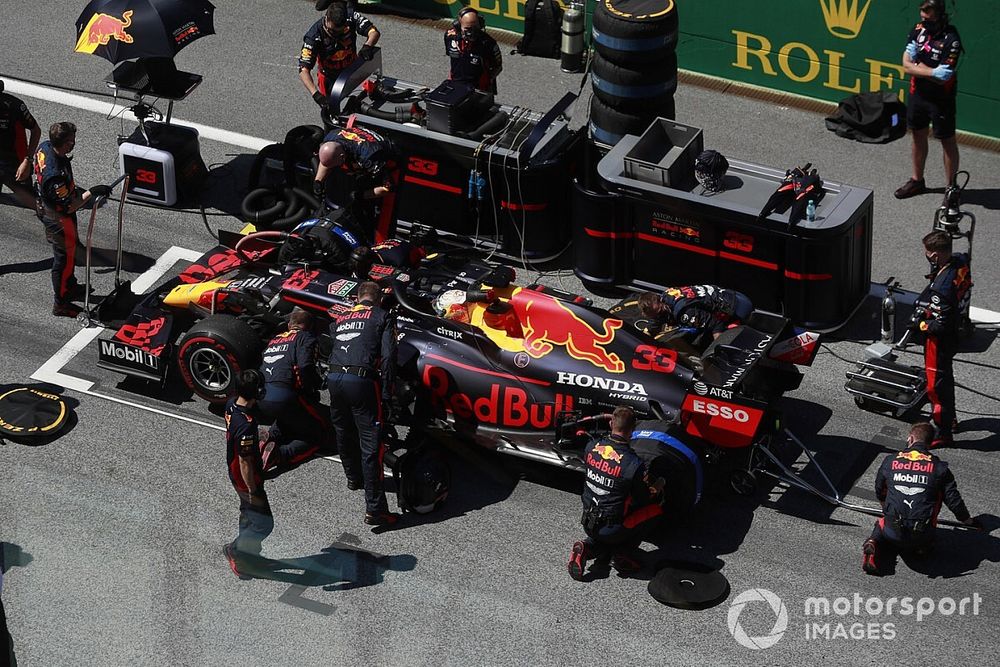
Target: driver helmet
[
  {"x": 710, "y": 169},
  {"x": 451, "y": 305}
]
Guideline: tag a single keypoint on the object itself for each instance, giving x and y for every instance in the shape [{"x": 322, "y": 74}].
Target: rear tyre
[
  {"x": 423, "y": 474},
  {"x": 214, "y": 352}
]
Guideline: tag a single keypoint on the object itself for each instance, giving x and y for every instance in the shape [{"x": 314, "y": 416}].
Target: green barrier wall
[{"x": 826, "y": 49}]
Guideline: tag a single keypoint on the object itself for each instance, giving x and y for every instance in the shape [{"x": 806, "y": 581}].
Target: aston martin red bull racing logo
[
  {"x": 101, "y": 29},
  {"x": 547, "y": 323}
]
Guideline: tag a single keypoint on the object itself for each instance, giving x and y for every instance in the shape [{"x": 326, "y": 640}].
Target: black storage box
[{"x": 454, "y": 106}]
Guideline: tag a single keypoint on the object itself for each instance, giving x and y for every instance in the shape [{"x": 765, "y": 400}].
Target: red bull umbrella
[{"x": 119, "y": 30}]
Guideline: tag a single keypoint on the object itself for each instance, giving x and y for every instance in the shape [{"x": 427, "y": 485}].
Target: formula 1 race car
[{"x": 527, "y": 369}]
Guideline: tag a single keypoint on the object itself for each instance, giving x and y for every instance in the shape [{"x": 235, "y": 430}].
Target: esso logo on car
[{"x": 715, "y": 410}]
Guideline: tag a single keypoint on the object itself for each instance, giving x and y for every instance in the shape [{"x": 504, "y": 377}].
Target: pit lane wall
[{"x": 825, "y": 49}]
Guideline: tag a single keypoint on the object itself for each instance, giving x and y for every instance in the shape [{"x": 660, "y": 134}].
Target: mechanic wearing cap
[
  {"x": 931, "y": 61},
  {"x": 702, "y": 310},
  {"x": 246, "y": 472},
  {"x": 58, "y": 199},
  {"x": 362, "y": 368},
  {"x": 291, "y": 394},
  {"x": 938, "y": 313},
  {"x": 475, "y": 56},
  {"x": 911, "y": 485},
  {"x": 620, "y": 501},
  {"x": 332, "y": 42},
  {"x": 15, "y": 153},
  {"x": 369, "y": 159}
]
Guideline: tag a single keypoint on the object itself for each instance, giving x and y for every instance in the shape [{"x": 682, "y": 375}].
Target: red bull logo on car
[
  {"x": 101, "y": 28},
  {"x": 548, "y": 323}
]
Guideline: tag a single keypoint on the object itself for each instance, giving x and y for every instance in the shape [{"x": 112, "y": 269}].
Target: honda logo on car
[
  {"x": 113, "y": 350},
  {"x": 595, "y": 382},
  {"x": 713, "y": 409}
]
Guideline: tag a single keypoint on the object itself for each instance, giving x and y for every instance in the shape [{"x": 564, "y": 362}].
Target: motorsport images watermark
[{"x": 828, "y": 619}]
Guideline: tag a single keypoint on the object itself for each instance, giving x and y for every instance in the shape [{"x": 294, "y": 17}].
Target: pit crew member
[
  {"x": 291, "y": 396},
  {"x": 938, "y": 314},
  {"x": 246, "y": 472},
  {"x": 700, "y": 310},
  {"x": 619, "y": 501},
  {"x": 15, "y": 153},
  {"x": 332, "y": 42},
  {"x": 475, "y": 56},
  {"x": 911, "y": 485},
  {"x": 362, "y": 368},
  {"x": 931, "y": 61},
  {"x": 58, "y": 199},
  {"x": 368, "y": 160}
]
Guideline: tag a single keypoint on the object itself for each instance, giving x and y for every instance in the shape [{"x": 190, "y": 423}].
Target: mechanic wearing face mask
[
  {"x": 620, "y": 501},
  {"x": 291, "y": 396},
  {"x": 911, "y": 486},
  {"x": 475, "y": 56},
  {"x": 703, "y": 310},
  {"x": 938, "y": 314},
  {"x": 931, "y": 61},
  {"x": 362, "y": 369},
  {"x": 58, "y": 199},
  {"x": 332, "y": 42}
]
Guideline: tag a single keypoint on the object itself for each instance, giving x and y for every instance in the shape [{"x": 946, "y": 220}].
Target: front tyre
[{"x": 214, "y": 352}]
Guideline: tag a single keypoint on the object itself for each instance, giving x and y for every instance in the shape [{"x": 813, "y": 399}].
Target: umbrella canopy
[{"x": 119, "y": 30}]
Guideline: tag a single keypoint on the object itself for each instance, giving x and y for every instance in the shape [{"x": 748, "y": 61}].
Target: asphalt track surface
[{"x": 120, "y": 521}]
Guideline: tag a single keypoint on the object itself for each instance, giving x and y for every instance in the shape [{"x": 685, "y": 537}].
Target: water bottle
[
  {"x": 572, "y": 46},
  {"x": 811, "y": 210}
]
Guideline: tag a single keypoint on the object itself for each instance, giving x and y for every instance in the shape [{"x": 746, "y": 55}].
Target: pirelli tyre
[
  {"x": 422, "y": 473},
  {"x": 635, "y": 31},
  {"x": 608, "y": 125},
  {"x": 635, "y": 88},
  {"x": 212, "y": 354}
]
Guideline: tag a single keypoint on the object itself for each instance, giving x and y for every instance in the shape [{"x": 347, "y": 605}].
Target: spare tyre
[
  {"x": 214, "y": 352},
  {"x": 635, "y": 31},
  {"x": 608, "y": 125},
  {"x": 635, "y": 88}
]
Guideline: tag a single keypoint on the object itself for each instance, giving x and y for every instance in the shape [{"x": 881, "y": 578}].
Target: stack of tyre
[{"x": 634, "y": 71}]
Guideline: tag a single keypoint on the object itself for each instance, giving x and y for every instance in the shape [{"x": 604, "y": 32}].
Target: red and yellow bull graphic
[
  {"x": 101, "y": 28},
  {"x": 547, "y": 323}
]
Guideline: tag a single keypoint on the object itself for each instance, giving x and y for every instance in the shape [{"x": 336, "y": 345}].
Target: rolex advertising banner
[{"x": 826, "y": 49}]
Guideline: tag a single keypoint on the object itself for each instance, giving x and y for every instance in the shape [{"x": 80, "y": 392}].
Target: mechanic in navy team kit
[
  {"x": 246, "y": 472},
  {"x": 58, "y": 201},
  {"x": 15, "y": 152},
  {"x": 938, "y": 314},
  {"x": 911, "y": 485},
  {"x": 291, "y": 396},
  {"x": 362, "y": 369},
  {"x": 931, "y": 60},
  {"x": 475, "y": 56},
  {"x": 368, "y": 160},
  {"x": 332, "y": 42},
  {"x": 620, "y": 501},
  {"x": 703, "y": 310}
]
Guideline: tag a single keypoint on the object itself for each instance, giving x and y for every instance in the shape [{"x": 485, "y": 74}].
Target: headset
[{"x": 457, "y": 23}]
